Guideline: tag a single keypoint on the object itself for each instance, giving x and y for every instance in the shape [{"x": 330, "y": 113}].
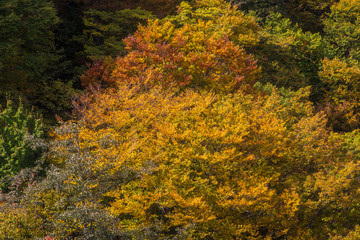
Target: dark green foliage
[
  {"x": 56, "y": 99},
  {"x": 29, "y": 59},
  {"x": 20, "y": 139},
  {"x": 262, "y": 8},
  {"x": 306, "y": 13},
  {"x": 70, "y": 25},
  {"x": 104, "y": 30},
  {"x": 342, "y": 28},
  {"x": 289, "y": 57},
  {"x": 26, "y": 41}
]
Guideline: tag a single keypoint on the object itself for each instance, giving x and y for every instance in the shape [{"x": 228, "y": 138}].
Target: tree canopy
[{"x": 204, "y": 119}]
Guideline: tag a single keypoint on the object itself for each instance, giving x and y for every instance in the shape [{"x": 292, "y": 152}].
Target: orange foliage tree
[
  {"x": 211, "y": 165},
  {"x": 196, "y": 51},
  {"x": 182, "y": 143}
]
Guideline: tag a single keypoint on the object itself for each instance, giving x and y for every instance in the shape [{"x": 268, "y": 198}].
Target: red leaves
[{"x": 99, "y": 73}]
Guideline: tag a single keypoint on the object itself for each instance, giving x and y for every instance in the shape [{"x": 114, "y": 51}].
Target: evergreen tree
[{"x": 26, "y": 42}]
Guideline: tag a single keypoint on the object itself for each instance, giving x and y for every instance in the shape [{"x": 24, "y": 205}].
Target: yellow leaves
[
  {"x": 225, "y": 162},
  {"x": 342, "y": 102},
  {"x": 252, "y": 200},
  {"x": 213, "y": 157},
  {"x": 336, "y": 72},
  {"x": 333, "y": 184},
  {"x": 18, "y": 223},
  {"x": 351, "y": 7},
  {"x": 291, "y": 203},
  {"x": 220, "y": 18},
  {"x": 193, "y": 153},
  {"x": 335, "y": 189},
  {"x": 189, "y": 209},
  {"x": 269, "y": 133},
  {"x": 353, "y": 234}
]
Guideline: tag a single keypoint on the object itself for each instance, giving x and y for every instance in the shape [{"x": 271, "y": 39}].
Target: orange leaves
[
  {"x": 192, "y": 144},
  {"x": 202, "y": 52},
  {"x": 98, "y": 73},
  {"x": 204, "y": 160},
  {"x": 218, "y": 65},
  {"x": 197, "y": 53}
]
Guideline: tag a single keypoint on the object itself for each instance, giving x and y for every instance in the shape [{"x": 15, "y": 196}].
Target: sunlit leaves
[
  {"x": 178, "y": 139},
  {"x": 200, "y": 161}
]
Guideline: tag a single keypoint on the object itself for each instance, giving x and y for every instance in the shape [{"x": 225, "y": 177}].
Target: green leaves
[
  {"x": 289, "y": 56},
  {"x": 19, "y": 132},
  {"x": 343, "y": 28}
]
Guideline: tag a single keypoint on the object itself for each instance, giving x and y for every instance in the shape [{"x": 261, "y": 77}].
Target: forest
[{"x": 171, "y": 119}]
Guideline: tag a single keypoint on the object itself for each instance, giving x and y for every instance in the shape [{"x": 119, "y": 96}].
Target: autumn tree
[
  {"x": 210, "y": 165},
  {"x": 178, "y": 139},
  {"x": 330, "y": 202},
  {"x": 341, "y": 93},
  {"x": 191, "y": 49}
]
